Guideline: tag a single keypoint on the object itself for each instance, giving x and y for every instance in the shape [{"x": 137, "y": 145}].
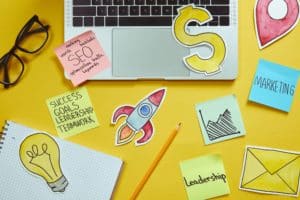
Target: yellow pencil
[{"x": 155, "y": 162}]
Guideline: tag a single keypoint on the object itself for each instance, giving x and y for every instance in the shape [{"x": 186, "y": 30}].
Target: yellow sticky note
[
  {"x": 271, "y": 171},
  {"x": 204, "y": 177},
  {"x": 72, "y": 112}
]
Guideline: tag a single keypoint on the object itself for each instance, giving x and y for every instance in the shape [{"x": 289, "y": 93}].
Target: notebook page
[{"x": 91, "y": 175}]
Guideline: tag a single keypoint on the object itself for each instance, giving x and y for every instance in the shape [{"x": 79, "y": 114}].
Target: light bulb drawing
[{"x": 39, "y": 153}]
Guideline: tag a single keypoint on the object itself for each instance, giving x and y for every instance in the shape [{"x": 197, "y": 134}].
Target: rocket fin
[
  {"x": 121, "y": 111},
  {"x": 147, "y": 134}
]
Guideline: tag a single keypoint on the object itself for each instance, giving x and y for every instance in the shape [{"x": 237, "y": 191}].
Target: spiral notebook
[{"x": 35, "y": 166}]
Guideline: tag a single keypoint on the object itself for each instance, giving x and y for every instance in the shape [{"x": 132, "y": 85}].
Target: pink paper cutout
[
  {"x": 82, "y": 57},
  {"x": 269, "y": 30}
]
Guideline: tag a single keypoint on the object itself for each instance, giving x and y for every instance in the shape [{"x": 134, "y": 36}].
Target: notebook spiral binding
[{"x": 3, "y": 134}]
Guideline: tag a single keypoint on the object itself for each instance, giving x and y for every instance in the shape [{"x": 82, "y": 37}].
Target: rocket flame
[{"x": 125, "y": 134}]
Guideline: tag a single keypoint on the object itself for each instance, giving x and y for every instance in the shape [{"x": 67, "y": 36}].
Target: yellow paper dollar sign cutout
[{"x": 194, "y": 61}]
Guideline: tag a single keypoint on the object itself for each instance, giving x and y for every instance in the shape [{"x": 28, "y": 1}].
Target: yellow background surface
[{"x": 26, "y": 103}]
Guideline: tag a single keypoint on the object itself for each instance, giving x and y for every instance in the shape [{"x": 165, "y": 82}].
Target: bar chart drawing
[{"x": 223, "y": 127}]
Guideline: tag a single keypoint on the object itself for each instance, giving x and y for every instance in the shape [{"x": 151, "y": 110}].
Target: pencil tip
[{"x": 179, "y": 125}]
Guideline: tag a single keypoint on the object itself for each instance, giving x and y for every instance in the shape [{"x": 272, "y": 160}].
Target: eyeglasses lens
[
  {"x": 34, "y": 38},
  {"x": 14, "y": 70}
]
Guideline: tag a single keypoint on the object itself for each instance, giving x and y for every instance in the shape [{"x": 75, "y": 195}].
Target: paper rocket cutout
[
  {"x": 138, "y": 118},
  {"x": 274, "y": 19}
]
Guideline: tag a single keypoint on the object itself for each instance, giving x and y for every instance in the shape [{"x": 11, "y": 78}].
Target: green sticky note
[
  {"x": 220, "y": 119},
  {"x": 204, "y": 177},
  {"x": 72, "y": 112}
]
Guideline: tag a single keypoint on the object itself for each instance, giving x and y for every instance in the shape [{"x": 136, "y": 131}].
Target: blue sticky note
[{"x": 274, "y": 85}]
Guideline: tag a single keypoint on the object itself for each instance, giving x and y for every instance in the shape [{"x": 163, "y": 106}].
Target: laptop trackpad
[{"x": 147, "y": 52}]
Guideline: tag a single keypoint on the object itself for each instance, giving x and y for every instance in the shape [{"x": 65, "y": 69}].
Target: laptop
[{"x": 137, "y": 36}]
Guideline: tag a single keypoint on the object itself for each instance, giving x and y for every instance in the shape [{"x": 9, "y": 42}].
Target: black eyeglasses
[{"x": 31, "y": 39}]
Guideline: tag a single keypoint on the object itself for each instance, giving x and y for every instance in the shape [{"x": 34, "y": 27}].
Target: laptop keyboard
[{"x": 143, "y": 12}]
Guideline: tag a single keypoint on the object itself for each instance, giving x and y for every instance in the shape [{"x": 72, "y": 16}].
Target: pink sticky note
[{"x": 82, "y": 57}]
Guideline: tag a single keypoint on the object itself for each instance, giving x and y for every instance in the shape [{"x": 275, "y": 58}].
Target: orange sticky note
[{"x": 82, "y": 57}]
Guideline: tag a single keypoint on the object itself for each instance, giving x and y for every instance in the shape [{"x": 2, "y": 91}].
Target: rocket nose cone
[{"x": 157, "y": 96}]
